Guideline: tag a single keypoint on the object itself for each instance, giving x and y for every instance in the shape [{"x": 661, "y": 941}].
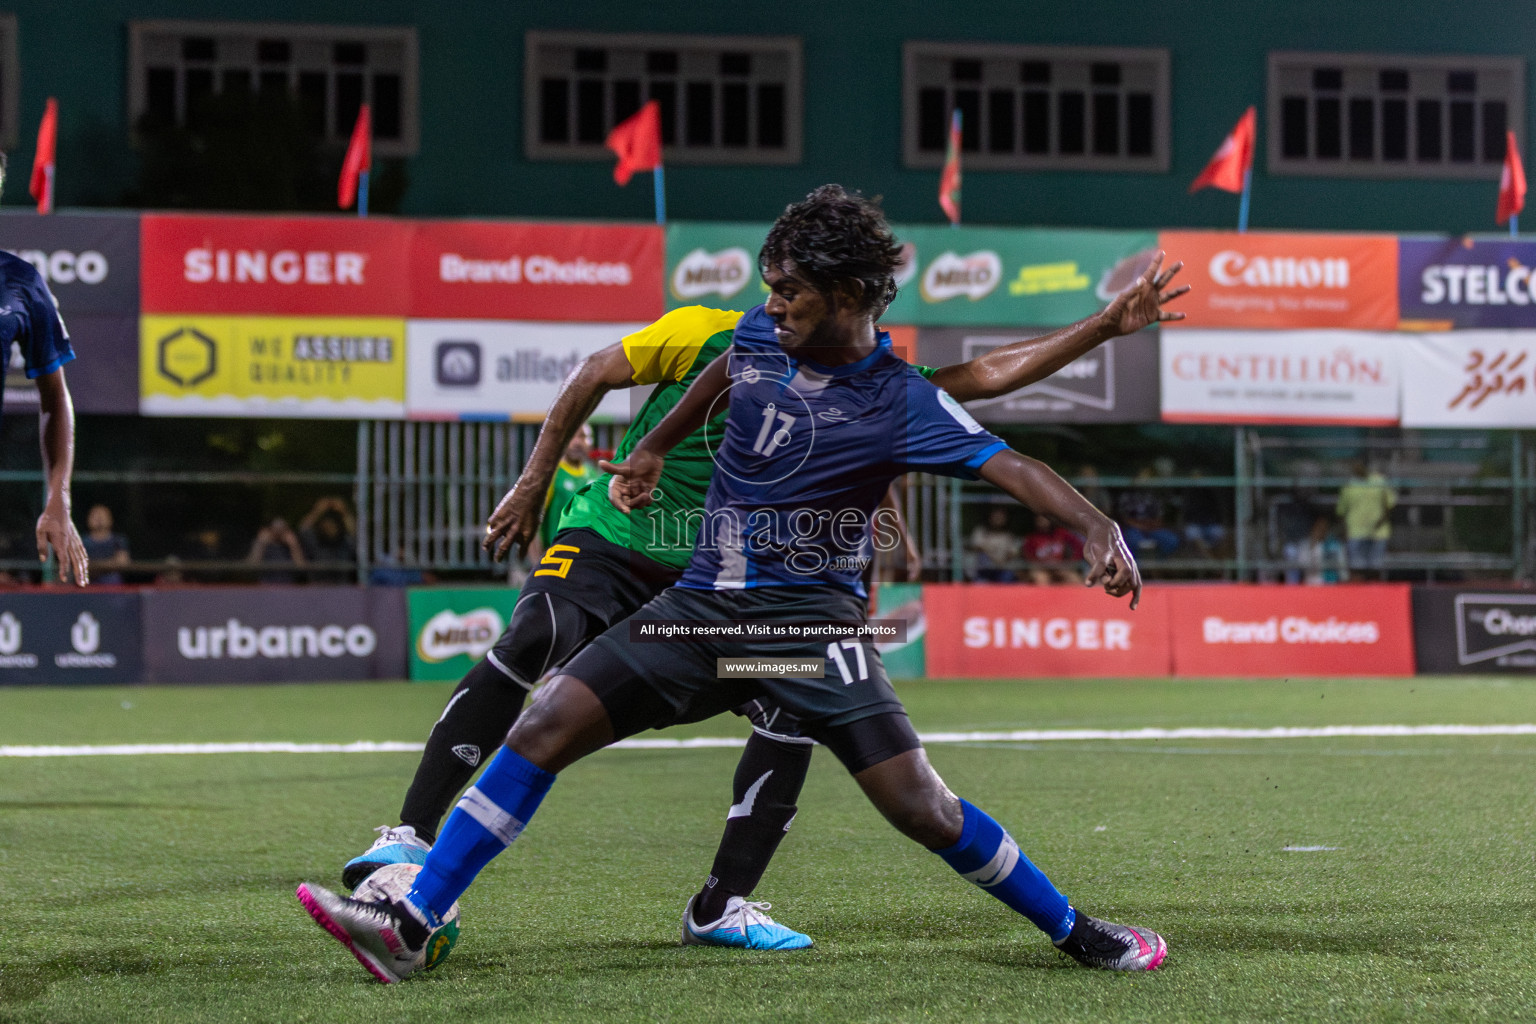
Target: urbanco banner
[
  {"x": 104, "y": 375},
  {"x": 89, "y": 261},
  {"x": 69, "y": 636},
  {"x": 1470, "y": 379}
]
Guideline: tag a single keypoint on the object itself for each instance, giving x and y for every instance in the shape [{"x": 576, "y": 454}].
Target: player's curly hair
[{"x": 835, "y": 235}]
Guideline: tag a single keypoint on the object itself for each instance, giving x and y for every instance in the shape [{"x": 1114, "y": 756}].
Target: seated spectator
[
  {"x": 1141, "y": 519},
  {"x": 277, "y": 544},
  {"x": 107, "y": 551},
  {"x": 1091, "y": 486},
  {"x": 397, "y": 570},
  {"x": 328, "y": 534},
  {"x": 1317, "y": 559},
  {"x": 207, "y": 545},
  {"x": 1053, "y": 553},
  {"x": 1205, "y": 527},
  {"x": 994, "y": 546}
]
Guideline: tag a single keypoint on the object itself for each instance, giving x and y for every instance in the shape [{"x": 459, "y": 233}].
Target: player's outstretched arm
[
  {"x": 1006, "y": 369},
  {"x": 515, "y": 522},
  {"x": 635, "y": 477},
  {"x": 1036, "y": 485},
  {"x": 55, "y": 529}
]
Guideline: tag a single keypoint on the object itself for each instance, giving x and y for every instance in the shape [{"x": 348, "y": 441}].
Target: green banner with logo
[
  {"x": 452, "y": 628},
  {"x": 950, "y": 276},
  {"x": 904, "y": 602}
]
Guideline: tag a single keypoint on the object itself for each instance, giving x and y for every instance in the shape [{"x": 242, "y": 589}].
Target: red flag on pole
[
  {"x": 43, "y": 160},
  {"x": 359, "y": 159},
  {"x": 1233, "y": 159},
  {"x": 637, "y": 141},
  {"x": 949, "y": 181},
  {"x": 1511, "y": 181}
]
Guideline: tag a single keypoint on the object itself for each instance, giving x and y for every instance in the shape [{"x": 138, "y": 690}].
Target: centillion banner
[{"x": 309, "y": 366}]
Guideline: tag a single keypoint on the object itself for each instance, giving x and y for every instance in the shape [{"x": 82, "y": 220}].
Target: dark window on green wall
[
  {"x": 1362, "y": 129},
  {"x": 771, "y": 107},
  {"x": 735, "y": 115},
  {"x": 236, "y": 80},
  {"x": 349, "y": 98},
  {"x": 1329, "y": 124},
  {"x": 1495, "y": 124},
  {"x": 273, "y": 51},
  {"x": 968, "y": 102},
  {"x": 349, "y": 54},
  {"x": 665, "y": 95},
  {"x": 198, "y": 48},
  {"x": 1427, "y": 123},
  {"x": 554, "y": 110},
  {"x": 1293, "y": 127},
  {"x": 1037, "y": 121},
  {"x": 1106, "y": 123},
  {"x": 626, "y": 99},
  {"x": 591, "y": 59},
  {"x": 386, "y": 106},
  {"x": 701, "y": 114},
  {"x": 1000, "y": 120},
  {"x": 932, "y": 119},
  {"x": 1394, "y": 129},
  {"x": 1463, "y": 131},
  {"x": 590, "y": 119},
  {"x": 160, "y": 93},
  {"x": 1139, "y": 127},
  {"x": 1069, "y": 121},
  {"x": 314, "y": 95}
]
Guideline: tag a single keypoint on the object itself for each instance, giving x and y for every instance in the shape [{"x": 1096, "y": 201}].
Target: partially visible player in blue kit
[{"x": 822, "y": 417}]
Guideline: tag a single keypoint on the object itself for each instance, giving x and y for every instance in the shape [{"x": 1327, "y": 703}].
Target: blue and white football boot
[
  {"x": 396, "y": 844},
  {"x": 744, "y": 926}
]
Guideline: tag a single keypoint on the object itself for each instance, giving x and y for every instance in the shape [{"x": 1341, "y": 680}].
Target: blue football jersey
[
  {"x": 807, "y": 453},
  {"x": 30, "y": 318}
]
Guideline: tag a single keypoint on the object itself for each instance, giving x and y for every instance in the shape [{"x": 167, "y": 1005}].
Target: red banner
[
  {"x": 1032, "y": 632},
  {"x": 1277, "y": 280},
  {"x": 325, "y": 266},
  {"x": 1234, "y": 630},
  {"x": 509, "y": 271}
]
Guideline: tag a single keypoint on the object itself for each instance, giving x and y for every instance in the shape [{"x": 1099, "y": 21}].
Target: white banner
[
  {"x": 1321, "y": 376},
  {"x": 502, "y": 369},
  {"x": 1470, "y": 379}
]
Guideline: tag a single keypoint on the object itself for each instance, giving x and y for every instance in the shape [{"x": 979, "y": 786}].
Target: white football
[{"x": 393, "y": 882}]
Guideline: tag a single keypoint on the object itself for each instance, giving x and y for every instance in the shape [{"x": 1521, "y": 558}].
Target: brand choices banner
[
  {"x": 452, "y": 628},
  {"x": 1464, "y": 282},
  {"x": 1281, "y": 280},
  {"x": 1470, "y": 379},
  {"x": 68, "y": 637},
  {"x": 1469, "y": 630},
  {"x": 1345, "y": 377}
]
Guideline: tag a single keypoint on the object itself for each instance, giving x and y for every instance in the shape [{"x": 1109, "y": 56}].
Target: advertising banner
[
  {"x": 510, "y": 271},
  {"x": 104, "y": 377},
  {"x": 325, "y": 266},
  {"x": 90, "y": 261},
  {"x": 197, "y": 365},
  {"x": 1470, "y": 379},
  {"x": 1235, "y": 630},
  {"x": 1115, "y": 383},
  {"x": 1446, "y": 283},
  {"x": 715, "y": 265},
  {"x": 903, "y": 602},
  {"x": 1338, "y": 377},
  {"x": 1033, "y": 632},
  {"x": 70, "y": 637},
  {"x": 1470, "y": 630},
  {"x": 453, "y": 627},
  {"x": 1262, "y": 280},
  {"x": 273, "y": 634},
  {"x": 499, "y": 370}
]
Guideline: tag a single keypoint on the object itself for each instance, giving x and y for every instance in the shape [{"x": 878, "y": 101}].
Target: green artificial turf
[{"x": 159, "y": 888}]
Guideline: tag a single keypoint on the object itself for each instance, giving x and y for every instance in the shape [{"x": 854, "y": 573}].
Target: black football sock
[
  {"x": 763, "y": 795},
  {"x": 470, "y": 731}
]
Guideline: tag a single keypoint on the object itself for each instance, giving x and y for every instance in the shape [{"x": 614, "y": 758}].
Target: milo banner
[
  {"x": 714, "y": 265},
  {"x": 903, "y": 602},
  {"x": 452, "y": 628}
]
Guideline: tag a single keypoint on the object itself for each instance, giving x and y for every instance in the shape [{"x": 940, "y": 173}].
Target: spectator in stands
[
  {"x": 398, "y": 570},
  {"x": 1141, "y": 518},
  {"x": 328, "y": 535},
  {"x": 1053, "y": 553},
  {"x": 1365, "y": 505},
  {"x": 1091, "y": 486},
  {"x": 107, "y": 551},
  {"x": 207, "y": 545},
  {"x": 994, "y": 546},
  {"x": 1317, "y": 559},
  {"x": 1205, "y": 528},
  {"x": 277, "y": 544}
]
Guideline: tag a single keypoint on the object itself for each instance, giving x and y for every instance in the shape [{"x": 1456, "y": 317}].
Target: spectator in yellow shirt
[{"x": 1365, "y": 506}]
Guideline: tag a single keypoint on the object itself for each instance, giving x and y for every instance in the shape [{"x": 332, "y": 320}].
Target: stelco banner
[
  {"x": 1470, "y": 379},
  {"x": 1450, "y": 283},
  {"x": 70, "y": 637},
  {"x": 452, "y": 628},
  {"x": 1324, "y": 377},
  {"x": 1469, "y": 630},
  {"x": 315, "y": 366},
  {"x": 1280, "y": 281},
  {"x": 259, "y": 634},
  {"x": 498, "y": 370}
]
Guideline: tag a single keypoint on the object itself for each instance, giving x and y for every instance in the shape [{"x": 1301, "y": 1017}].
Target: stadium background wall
[{"x": 471, "y": 158}]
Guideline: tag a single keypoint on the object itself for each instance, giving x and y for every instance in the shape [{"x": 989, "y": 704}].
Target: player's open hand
[
  {"x": 1110, "y": 563},
  {"x": 633, "y": 479},
  {"x": 1141, "y": 305},
  {"x": 56, "y": 530},
  {"x": 514, "y": 522}
]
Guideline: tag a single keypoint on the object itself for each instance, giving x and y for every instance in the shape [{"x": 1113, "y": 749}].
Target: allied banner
[
  {"x": 320, "y": 266},
  {"x": 90, "y": 261},
  {"x": 69, "y": 636},
  {"x": 451, "y": 628},
  {"x": 492, "y": 270},
  {"x": 1269, "y": 631},
  {"x": 1286, "y": 281},
  {"x": 273, "y": 634},
  {"x": 499, "y": 370},
  {"x": 103, "y": 378},
  {"x": 1470, "y": 379},
  {"x": 1470, "y": 630},
  {"x": 1446, "y": 283},
  {"x": 1322, "y": 377},
  {"x": 1115, "y": 383},
  {"x": 1041, "y": 632},
  {"x": 201, "y": 365}
]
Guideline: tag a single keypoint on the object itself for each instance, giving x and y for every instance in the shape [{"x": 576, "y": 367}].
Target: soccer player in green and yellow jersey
[{"x": 575, "y": 470}]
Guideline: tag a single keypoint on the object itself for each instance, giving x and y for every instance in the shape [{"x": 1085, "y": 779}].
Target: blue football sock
[
  {"x": 490, "y": 814},
  {"x": 989, "y": 857}
]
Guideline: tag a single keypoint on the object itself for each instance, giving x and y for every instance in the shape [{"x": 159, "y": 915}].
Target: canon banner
[
  {"x": 273, "y": 634},
  {"x": 1470, "y": 630},
  {"x": 453, "y": 627},
  {"x": 1470, "y": 379},
  {"x": 1234, "y": 630},
  {"x": 1282, "y": 280},
  {"x": 1463, "y": 282},
  {"x": 66, "y": 636},
  {"x": 976, "y": 630},
  {"x": 91, "y": 262},
  {"x": 511, "y": 271},
  {"x": 1339, "y": 377},
  {"x": 498, "y": 370}
]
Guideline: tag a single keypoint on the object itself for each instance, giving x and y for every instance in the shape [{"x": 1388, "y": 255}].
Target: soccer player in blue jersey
[{"x": 821, "y": 418}]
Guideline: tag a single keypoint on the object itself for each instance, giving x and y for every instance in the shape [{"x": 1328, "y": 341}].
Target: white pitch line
[{"x": 700, "y": 742}]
